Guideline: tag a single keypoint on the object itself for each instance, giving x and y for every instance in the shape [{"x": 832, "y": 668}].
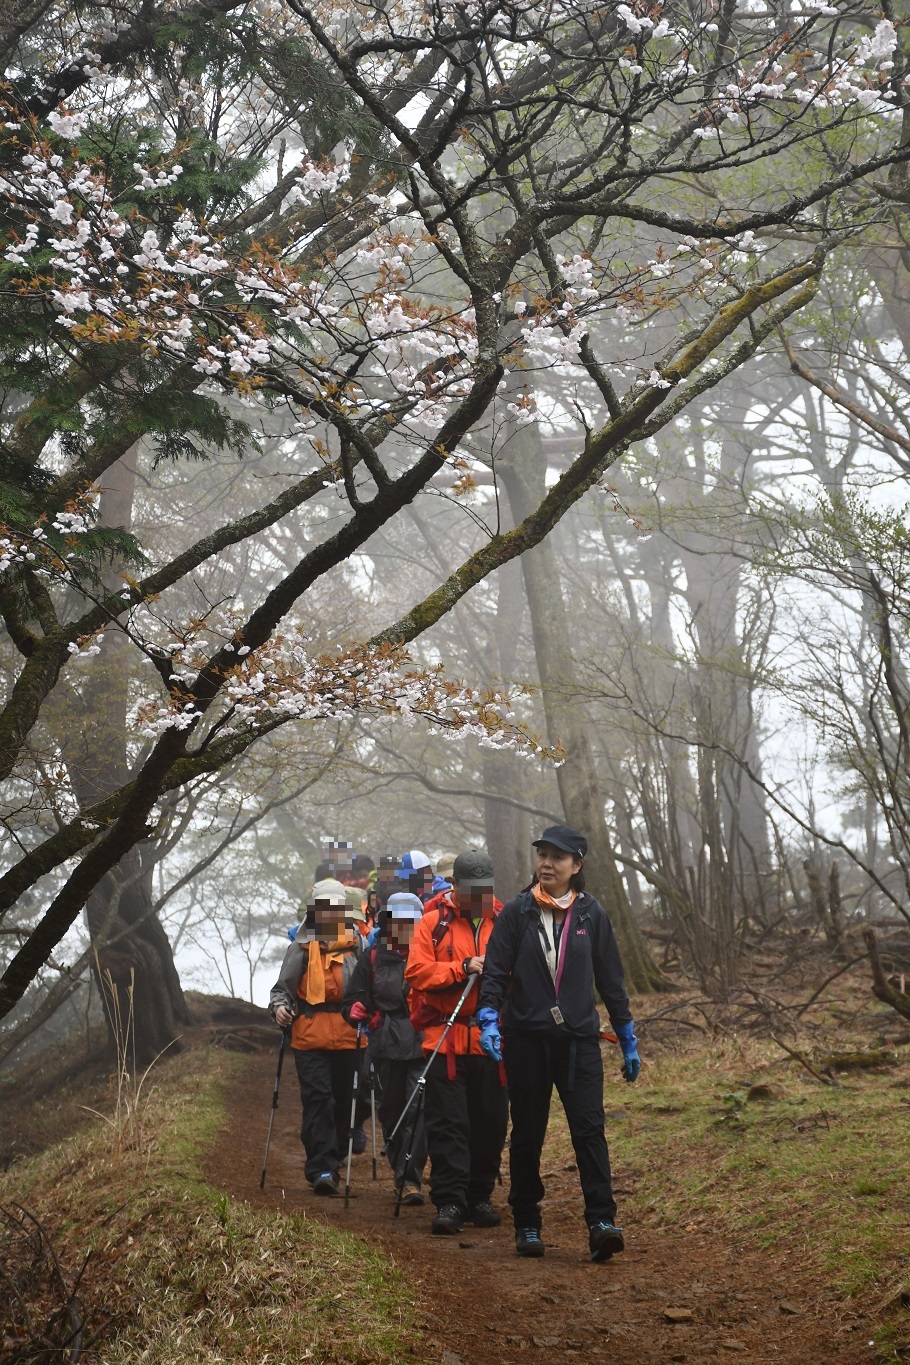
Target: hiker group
[{"x": 413, "y": 994}]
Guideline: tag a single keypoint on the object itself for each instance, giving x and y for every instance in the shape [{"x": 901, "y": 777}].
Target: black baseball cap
[
  {"x": 475, "y": 865},
  {"x": 561, "y": 836}
]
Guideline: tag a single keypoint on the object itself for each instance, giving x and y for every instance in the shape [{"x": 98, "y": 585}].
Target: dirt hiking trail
[{"x": 479, "y": 1303}]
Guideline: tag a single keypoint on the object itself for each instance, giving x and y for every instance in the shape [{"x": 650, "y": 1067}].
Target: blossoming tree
[{"x": 385, "y": 228}]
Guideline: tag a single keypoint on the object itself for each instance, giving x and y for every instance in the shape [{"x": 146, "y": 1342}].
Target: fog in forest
[
  {"x": 423, "y": 424},
  {"x": 391, "y": 462}
]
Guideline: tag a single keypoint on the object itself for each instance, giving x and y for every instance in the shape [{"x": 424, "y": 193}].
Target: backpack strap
[
  {"x": 528, "y": 908},
  {"x": 442, "y": 926},
  {"x": 596, "y": 923}
]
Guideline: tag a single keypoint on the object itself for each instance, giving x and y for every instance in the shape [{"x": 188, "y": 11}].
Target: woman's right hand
[
  {"x": 283, "y": 1017},
  {"x": 474, "y": 966}
]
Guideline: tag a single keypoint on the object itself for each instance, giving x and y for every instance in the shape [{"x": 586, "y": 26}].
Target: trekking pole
[
  {"x": 354, "y": 1088},
  {"x": 405, "y": 1165},
  {"x": 373, "y": 1114},
  {"x": 422, "y": 1078},
  {"x": 268, "y": 1141}
]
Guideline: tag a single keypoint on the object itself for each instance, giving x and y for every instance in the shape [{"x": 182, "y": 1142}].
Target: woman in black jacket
[
  {"x": 377, "y": 994},
  {"x": 551, "y": 945}
]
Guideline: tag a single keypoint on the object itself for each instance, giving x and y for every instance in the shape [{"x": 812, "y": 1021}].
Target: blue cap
[{"x": 412, "y": 862}]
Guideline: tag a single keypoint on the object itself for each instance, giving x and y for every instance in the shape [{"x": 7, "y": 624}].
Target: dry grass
[
  {"x": 41, "y": 1102},
  {"x": 178, "y": 1272}
]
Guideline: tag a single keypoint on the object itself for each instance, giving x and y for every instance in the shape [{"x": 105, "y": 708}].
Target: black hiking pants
[
  {"x": 326, "y": 1080},
  {"x": 466, "y": 1121},
  {"x": 534, "y": 1064},
  {"x": 399, "y": 1080}
]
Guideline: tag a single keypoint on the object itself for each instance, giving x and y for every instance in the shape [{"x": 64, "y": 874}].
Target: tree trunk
[
  {"x": 508, "y": 831},
  {"x": 827, "y": 905},
  {"x": 713, "y": 573},
  {"x": 140, "y": 988},
  {"x": 684, "y": 835},
  {"x": 582, "y": 802},
  {"x": 881, "y": 986},
  {"x": 836, "y": 912},
  {"x": 134, "y": 963}
]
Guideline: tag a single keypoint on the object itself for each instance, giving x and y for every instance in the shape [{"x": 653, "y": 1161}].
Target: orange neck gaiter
[{"x": 544, "y": 898}]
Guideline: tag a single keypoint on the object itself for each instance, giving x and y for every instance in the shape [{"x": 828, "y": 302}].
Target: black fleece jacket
[
  {"x": 516, "y": 979},
  {"x": 378, "y": 983}
]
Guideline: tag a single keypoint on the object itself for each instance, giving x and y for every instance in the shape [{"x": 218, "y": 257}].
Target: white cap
[
  {"x": 413, "y": 861},
  {"x": 404, "y": 905},
  {"x": 329, "y": 890}
]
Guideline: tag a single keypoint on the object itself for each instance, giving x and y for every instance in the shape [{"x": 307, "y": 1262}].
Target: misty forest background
[{"x": 711, "y": 617}]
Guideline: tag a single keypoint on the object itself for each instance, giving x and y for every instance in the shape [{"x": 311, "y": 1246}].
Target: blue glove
[
  {"x": 627, "y": 1041},
  {"x": 490, "y": 1037}
]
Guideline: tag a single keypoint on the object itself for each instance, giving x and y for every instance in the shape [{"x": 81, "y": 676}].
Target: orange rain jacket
[
  {"x": 437, "y": 970},
  {"x": 319, "y": 1027}
]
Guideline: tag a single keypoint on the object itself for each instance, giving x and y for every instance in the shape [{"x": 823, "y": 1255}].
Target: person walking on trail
[
  {"x": 307, "y": 998},
  {"x": 443, "y": 879},
  {"x": 377, "y": 994},
  {"x": 362, "y": 871},
  {"x": 384, "y": 884},
  {"x": 415, "y": 874},
  {"x": 466, "y": 1103},
  {"x": 356, "y": 885},
  {"x": 549, "y": 948}
]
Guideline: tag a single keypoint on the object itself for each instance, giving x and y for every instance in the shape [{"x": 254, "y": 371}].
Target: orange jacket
[
  {"x": 321, "y": 1027},
  {"x": 438, "y": 971}
]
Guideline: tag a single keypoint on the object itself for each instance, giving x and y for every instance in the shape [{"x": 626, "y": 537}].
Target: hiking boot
[
  {"x": 605, "y": 1241},
  {"x": 449, "y": 1220},
  {"x": 359, "y": 1145},
  {"x": 326, "y": 1184},
  {"x": 483, "y": 1215},
  {"x": 410, "y": 1194},
  {"x": 528, "y": 1242}
]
